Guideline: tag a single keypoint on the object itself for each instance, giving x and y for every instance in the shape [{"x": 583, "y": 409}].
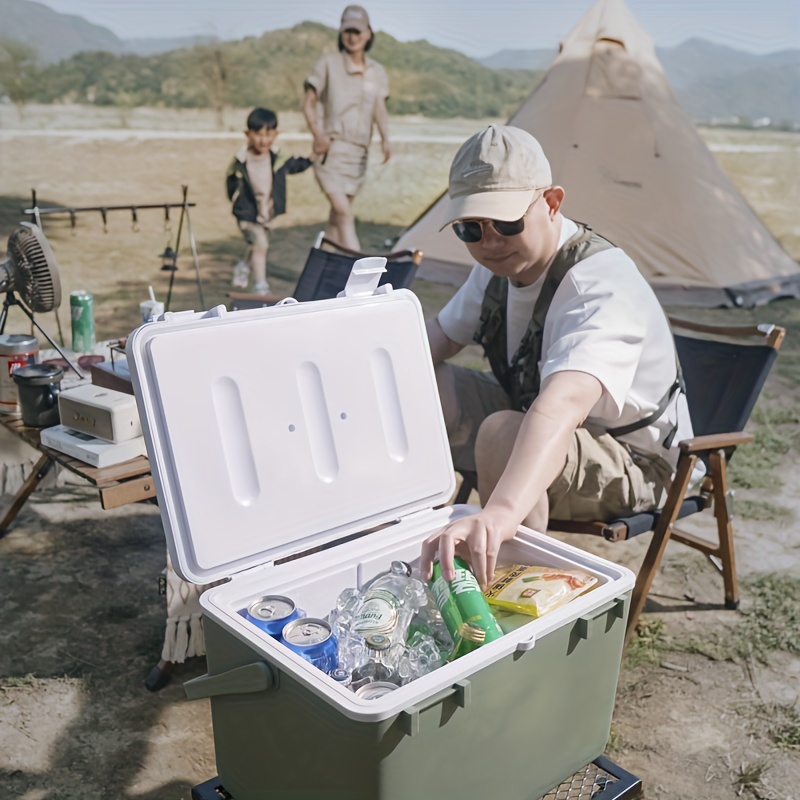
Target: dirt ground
[
  {"x": 82, "y": 623},
  {"x": 707, "y": 705}
]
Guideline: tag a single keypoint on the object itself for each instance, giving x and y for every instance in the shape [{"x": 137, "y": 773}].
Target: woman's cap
[
  {"x": 496, "y": 174},
  {"x": 355, "y": 17}
]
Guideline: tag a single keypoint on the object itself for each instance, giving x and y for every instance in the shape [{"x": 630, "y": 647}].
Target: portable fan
[{"x": 31, "y": 270}]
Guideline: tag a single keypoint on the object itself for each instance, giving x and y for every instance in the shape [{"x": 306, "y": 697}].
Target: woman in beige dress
[{"x": 349, "y": 89}]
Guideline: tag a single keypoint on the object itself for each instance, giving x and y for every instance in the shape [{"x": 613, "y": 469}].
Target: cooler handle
[
  {"x": 526, "y": 644},
  {"x": 584, "y": 623},
  {"x": 461, "y": 691},
  {"x": 255, "y": 677}
]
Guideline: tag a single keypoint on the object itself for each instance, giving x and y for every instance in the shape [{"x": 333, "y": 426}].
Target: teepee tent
[{"x": 635, "y": 169}]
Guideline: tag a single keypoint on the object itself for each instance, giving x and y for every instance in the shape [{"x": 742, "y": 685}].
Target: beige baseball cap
[
  {"x": 496, "y": 174},
  {"x": 355, "y": 17}
]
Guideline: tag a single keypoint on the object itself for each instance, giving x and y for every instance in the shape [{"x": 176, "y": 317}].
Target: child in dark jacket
[{"x": 256, "y": 185}]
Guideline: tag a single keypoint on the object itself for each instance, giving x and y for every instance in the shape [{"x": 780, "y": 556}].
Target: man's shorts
[
  {"x": 602, "y": 478},
  {"x": 342, "y": 169},
  {"x": 255, "y": 234}
]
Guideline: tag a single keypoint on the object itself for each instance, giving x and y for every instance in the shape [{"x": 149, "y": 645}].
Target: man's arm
[
  {"x": 537, "y": 458},
  {"x": 382, "y": 121},
  {"x": 321, "y": 141},
  {"x": 442, "y": 346}
]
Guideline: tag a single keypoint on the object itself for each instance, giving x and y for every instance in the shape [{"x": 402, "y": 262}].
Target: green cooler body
[{"x": 298, "y": 450}]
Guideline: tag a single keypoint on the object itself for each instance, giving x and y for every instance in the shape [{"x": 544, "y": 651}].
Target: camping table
[
  {"x": 602, "y": 779},
  {"x": 119, "y": 484}
]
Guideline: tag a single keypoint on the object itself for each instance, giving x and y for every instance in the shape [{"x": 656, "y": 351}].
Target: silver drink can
[
  {"x": 372, "y": 691},
  {"x": 16, "y": 350},
  {"x": 272, "y": 613},
  {"x": 313, "y": 640}
]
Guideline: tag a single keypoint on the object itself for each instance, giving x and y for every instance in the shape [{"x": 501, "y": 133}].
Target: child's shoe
[
  {"x": 261, "y": 288},
  {"x": 241, "y": 275}
]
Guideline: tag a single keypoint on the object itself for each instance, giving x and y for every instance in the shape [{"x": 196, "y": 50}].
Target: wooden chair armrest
[
  {"x": 771, "y": 335},
  {"x": 269, "y": 298},
  {"x": 715, "y": 441},
  {"x": 413, "y": 255},
  {"x": 613, "y": 532}
]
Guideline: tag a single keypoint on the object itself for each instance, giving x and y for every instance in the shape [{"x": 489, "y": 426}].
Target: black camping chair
[
  {"x": 326, "y": 272},
  {"x": 725, "y": 369}
]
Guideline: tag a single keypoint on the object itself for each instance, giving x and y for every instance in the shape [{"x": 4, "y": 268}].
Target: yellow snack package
[{"x": 537, "y": 590}]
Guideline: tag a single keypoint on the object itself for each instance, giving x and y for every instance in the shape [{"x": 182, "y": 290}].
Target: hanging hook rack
[{"x": 37, "y": 213}]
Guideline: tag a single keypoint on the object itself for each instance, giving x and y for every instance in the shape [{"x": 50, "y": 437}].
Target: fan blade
[{"x": 33, "y": 269}]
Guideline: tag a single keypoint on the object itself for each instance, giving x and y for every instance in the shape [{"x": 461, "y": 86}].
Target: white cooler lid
[{"x": 275, "y": 430}]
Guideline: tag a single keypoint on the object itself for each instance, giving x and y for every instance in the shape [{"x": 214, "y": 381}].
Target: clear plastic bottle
[
  {"x": 380, "y": 662},
  {"x": 385, "y": 612}
]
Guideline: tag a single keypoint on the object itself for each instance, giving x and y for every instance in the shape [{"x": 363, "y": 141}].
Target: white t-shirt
[{"x": 604, "y": 320}]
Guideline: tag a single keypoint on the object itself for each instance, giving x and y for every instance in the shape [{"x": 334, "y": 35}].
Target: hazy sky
[{"x": 475, "y": 27}]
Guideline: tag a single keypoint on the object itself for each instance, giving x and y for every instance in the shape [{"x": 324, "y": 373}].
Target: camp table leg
[{"x": 43, "y": 466}]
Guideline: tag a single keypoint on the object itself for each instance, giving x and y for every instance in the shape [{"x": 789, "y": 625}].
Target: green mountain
[
  {"x": 55, "y": 36},
  {"x": 269, "y": 70},
  {"x": 52, "y": 35}
]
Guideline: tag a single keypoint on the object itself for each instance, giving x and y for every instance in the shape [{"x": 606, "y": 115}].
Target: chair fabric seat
[
  {"x": 325, "y": 275},
  {"x": 643, "y": 523}
]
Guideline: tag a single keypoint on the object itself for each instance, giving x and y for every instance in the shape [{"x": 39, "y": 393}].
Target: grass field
[{"x": 77, "y": 157}]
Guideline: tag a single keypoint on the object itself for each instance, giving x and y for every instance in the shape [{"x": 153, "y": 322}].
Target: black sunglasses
[{"x": 471, "y": 230}]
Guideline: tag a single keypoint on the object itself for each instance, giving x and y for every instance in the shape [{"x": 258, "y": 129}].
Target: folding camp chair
[
  {"x": 326, "y": 271},
  {"x": 725, "y": 369}
]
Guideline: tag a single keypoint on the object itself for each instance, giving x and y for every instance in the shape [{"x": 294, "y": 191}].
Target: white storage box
[
  {"x": 97, "y": 452},
  {"x": 100, "y": 412},
  {"x": 295, "y": 428}
]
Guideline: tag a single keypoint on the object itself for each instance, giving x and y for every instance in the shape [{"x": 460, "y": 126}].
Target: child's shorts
[
  {"x": 602, "y": 477},
  {"x": 343, "y": 168},
  {"x": 255, "y": 234}
]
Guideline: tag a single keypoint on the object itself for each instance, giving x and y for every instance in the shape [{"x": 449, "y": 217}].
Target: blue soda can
[
  {"x": 271, "y": 613},
  {"x": 313, "y": 640}
]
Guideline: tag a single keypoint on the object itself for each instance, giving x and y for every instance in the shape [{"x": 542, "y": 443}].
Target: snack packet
[{"x": 536, "y": 590}]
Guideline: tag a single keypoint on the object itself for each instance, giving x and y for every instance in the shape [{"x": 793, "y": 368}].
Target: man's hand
[
  {"x": 539, "y": 453},
  {"x": 387, "y": 152},
  {"x": 476, "y": 539}
]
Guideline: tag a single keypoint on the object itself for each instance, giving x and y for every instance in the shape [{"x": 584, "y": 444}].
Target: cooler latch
[
  {"x": 460, "y": 692},
  {"x": 614, "y": 608},
  {"x": 364, "y": 277},
  {"x": 255, "y": 677},
  {"x": 176, "y": 317}
]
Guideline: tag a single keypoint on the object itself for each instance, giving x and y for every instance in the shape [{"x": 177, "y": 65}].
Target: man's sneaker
[
  {"x": 261, "y": 288},
  {"x": 241, "y": 275}
]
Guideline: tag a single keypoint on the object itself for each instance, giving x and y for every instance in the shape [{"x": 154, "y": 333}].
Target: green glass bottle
[
  {"x": 462, "y": 601},
  {"x": 469, "y": 639}
]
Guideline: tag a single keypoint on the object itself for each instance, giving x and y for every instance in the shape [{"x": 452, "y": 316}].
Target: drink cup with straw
[{"x": 151, "y": 309}]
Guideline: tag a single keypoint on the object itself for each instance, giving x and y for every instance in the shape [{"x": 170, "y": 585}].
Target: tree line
[{"x": 267, "y": 70}]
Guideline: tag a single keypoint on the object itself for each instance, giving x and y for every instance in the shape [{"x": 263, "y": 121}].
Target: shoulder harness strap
[{"x": 520, "y": 378}]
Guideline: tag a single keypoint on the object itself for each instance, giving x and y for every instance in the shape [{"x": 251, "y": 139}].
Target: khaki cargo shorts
[
  {"x": 602, "y": 478},
  {"x": 255, "y": 234},
  {"x": 342, "y": 169}
]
